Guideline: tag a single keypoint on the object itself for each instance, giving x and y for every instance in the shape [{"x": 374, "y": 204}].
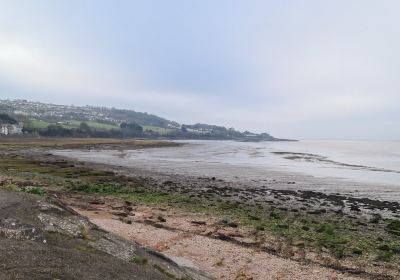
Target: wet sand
[
  {"x": 251, "y": 185},
  {"x": 148, "y": 162}
]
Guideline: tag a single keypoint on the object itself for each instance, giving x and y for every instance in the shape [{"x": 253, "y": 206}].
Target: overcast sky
[{"x": 299, "y": 69}]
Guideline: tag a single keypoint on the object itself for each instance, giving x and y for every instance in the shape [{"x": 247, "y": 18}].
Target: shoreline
[
  {"x": 316, "y": 227},
  {"x": 272, "y": 185},
  {"x": 275, "y": 172}
]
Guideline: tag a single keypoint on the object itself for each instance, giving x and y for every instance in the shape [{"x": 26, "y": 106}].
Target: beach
[{"x": 268, "y": 218}]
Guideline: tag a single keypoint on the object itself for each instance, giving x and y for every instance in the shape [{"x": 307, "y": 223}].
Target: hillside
[
  {"x": 55, "y": 113},
  {"x": 69, "y": 120}
]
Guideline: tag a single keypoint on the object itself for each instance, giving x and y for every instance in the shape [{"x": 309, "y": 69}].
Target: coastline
[
  {"x": 298, "y": 225},
  {"x": 259, "y": 164}
]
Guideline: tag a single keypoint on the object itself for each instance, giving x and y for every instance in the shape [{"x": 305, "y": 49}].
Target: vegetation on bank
[
  {"x": 50, "y": 120},
  {"x": 65, "y": 121},
  {"x": 35, "y": 124},
  {"x": 76, "y": 128},
  {"x": 335, "y": 234},
  {"x": 83, "y": 129}
]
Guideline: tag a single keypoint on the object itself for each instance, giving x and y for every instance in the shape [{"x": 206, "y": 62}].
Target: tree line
[{"x": 84, "y": 130}]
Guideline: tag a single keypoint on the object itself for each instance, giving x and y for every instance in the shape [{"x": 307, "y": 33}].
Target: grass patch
[
  {"x": 139, "y": 259},
  {"x": 11, "y": 187},
  {"x": 160, "y": 130},
  {"x": 34, "y": 190},
  {"x": 164, "y": 271},
  {"x": 40, "y": 124},
  {"x": 92, "y": 124},
  {"x": 85, "y": 248},
  {"x": 385, "y": 256},
  {"x": 393, "y": 227},
  {"x": 36, "y": 124},
  {"x": 84, "y": 232}
]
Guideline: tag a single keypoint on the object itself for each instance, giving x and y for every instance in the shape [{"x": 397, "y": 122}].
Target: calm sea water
[{"x": 355, "y": 161}]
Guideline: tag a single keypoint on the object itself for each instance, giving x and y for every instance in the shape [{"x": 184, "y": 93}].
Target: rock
[
  {"x": 121, "y": 214},
  {"x": 73, "y": 225},
  {"x": 161, "y": 219},
  {"x": 148, "y": 222},
  {"x": 96, "y": 202},
  {"x": 375, "y": 219},
  {"x": 49, "y": 207},
  {"x": 168, "y": 183},
  {"x": 183, "y": 262},
  {"x": 232, "y": 224},
  {"x": 13, "y": 229},
  {"x": 317, "y": 211},
  {"x": 26, "y": 254},
  {"x": 298, "y": 243},
  {"x": 200, "y": 223}
]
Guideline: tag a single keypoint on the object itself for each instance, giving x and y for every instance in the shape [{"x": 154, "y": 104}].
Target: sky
[{"x": 304, "y": 69}]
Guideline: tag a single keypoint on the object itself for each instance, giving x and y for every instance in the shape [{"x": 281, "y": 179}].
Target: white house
[{"x": 6, "y": 128}]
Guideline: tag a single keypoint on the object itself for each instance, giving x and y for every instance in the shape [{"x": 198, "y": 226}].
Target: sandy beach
[{"x": 196, "y": 240}]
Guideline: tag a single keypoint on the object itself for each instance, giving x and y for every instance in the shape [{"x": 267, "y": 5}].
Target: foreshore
[{"x": 227, "y": 228}]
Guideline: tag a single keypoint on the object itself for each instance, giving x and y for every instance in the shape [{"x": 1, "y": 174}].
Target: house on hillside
[
  {"x": 8, "y": 128},
  {"x": 9, "y": 125}
]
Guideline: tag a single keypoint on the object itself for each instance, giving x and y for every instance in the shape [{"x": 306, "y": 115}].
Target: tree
[
  {"x": 4, "y": 118},
  {"x": 131, "y": 129},
  {"x": 84, "y": 127},
  {"x": 56, "y": 130},
  {"x": 183, "y": 128}
]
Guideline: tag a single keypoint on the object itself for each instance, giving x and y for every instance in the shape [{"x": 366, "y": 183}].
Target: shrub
[{"x": 34, "y": 190}]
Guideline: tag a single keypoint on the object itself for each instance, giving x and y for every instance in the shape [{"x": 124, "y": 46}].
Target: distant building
[{"x": 7, "y": 128}]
